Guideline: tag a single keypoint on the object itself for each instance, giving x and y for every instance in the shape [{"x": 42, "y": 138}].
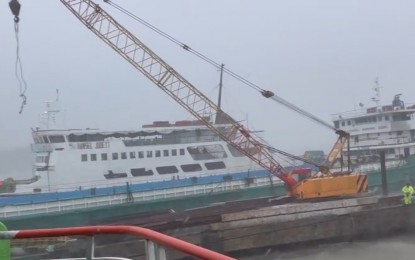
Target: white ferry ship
[
  {"x": 180, "y": 165},
  {"x": 390, "y": 128},
  {"x": 158, "y": 154}
]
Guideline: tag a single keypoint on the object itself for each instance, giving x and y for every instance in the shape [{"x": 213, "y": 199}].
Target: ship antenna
[
  {"x": 377, "y": 99},
  {"x": 48, "y": 117}
]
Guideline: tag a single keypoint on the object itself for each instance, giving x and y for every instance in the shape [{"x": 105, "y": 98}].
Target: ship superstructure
[
  {"x": 390, "y": 128},
  {"x": 83, "y": 159}
]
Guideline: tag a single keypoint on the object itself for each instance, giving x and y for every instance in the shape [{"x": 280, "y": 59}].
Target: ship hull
[
  {"x": 108, "y": 214},
  {"x": 397, "y": 177}
]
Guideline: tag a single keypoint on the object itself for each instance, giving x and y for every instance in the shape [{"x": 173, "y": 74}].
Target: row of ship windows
[
  {"x": 372, "y": 119},
  {"x": 358, "y": 121},
  {"x": 141, "y": 172},
  {"x": 133, "y": 155},
  {"x": 375, "y": 136}
]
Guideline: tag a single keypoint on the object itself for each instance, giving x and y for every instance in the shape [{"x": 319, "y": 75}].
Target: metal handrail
[
  {"x": 91, "y": 202},
  {"x": 156, "y": 237}
]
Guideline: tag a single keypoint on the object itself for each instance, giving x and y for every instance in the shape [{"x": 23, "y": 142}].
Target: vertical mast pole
[{"x": 220, "y": 85}]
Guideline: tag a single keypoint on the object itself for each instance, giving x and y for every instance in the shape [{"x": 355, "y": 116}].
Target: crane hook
[{"x": 15, "y": 7}]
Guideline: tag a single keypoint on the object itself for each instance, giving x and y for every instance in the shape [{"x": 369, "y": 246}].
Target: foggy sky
[{"x": 321, "y": 55}]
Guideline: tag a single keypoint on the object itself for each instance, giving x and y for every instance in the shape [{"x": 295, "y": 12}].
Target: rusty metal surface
[{"x": 199, "y": 216}]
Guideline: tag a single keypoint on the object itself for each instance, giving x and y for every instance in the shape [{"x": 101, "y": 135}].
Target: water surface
[{"x": 395, "y": 248}]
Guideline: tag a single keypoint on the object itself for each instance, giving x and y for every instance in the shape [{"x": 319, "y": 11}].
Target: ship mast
[
  {"x": 220, "y": 85},
  {"x": 48, "y": 118},
  {"x": 376, "y": 99},
  {"x": 218, "y": 119}
]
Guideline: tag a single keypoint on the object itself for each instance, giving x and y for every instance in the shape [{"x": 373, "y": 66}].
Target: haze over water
[
  {"x": 16, "y": 163},
  {"x": 400, "y": 247}
]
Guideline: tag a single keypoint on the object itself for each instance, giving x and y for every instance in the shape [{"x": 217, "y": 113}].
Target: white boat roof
[
  {"x": 148, "y": 130},
  {"x": 364, "y": 113}
]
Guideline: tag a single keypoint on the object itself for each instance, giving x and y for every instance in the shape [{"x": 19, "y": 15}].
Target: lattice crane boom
[{"x": 172, "y": 83}]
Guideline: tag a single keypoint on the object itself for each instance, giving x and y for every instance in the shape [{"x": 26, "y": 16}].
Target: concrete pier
[
  {"x": 303, "y": 223},
  {"x": 309, "y": 222},
  {"x": 258, "y": 230}
]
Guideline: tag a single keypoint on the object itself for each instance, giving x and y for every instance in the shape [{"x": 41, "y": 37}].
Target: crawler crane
[{"x": 189, "y": 97}]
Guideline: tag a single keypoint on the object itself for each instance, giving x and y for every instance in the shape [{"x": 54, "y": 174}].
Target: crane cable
[
  {"x": 294, "y": 157},
  {"x": 302, "y": 112},
  {"x": 18, "y": 69},
  {"x": 184, "y": 46},
  {"x": 265, "y": 93}
]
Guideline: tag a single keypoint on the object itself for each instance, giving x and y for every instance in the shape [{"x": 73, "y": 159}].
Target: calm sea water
[{"x": 394, "y": 248}]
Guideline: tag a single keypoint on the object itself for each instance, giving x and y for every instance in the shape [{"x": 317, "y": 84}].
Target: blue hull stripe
[{"x": 122, "y": 189}]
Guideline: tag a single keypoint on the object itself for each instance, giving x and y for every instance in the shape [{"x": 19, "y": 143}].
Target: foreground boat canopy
[{"x": 155, "y": 241}]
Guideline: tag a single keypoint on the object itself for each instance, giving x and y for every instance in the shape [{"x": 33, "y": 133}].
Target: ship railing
[
  {"x": 377, "y": 142},
  {"x": 348, "y": 114},
  {"x": 93, "y": 242},
  {"x": 11, "y": 211},
  {"x": 363, "y": 112}
]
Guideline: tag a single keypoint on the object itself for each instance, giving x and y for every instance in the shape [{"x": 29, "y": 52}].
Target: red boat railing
[{"x": 155, "y": 241}]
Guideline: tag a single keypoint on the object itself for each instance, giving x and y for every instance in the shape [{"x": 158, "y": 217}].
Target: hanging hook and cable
[{"x": 15, "y": 8}]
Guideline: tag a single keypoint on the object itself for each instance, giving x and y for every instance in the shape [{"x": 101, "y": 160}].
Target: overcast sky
[{"x": 321, "y": 55}]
